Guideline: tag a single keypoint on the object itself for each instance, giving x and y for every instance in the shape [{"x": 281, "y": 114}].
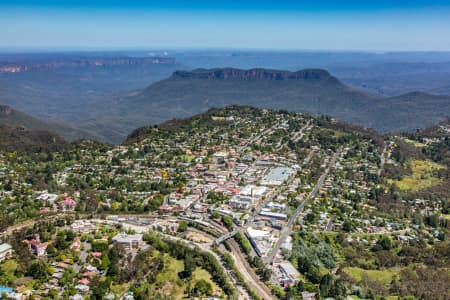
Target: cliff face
[
  {"x": 83, "y": 62},
  {"x": 255, "y": 74}
]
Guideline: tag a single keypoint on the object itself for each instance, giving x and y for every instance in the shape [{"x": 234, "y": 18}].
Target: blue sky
[{"x": 317, "y": 25}]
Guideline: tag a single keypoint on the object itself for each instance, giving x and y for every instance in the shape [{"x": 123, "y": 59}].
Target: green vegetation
[
  {"x": 383, "y": 276},
  {"x": 423, "y": 176}
]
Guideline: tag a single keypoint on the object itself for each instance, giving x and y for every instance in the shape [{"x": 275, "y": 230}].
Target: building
[
  {"x": 67, "y": 204},
  {"x": 240, "y": 202},
  {"x": 277, "y": 176},
  {"x": 6, "y": 251},
  {"x": 129, "y": 241},
  {"x": 39, "y": 249},
  {"x": 82, "y": 226},
  {"x": 47, "y": 197},
  {"x": 247, "y": 196},
  {"x": 290, "y": 274},
  {"x": 308, "y": 296},
  {"x": 268, "y": 214},
  {"x": 260, "y": 240}
]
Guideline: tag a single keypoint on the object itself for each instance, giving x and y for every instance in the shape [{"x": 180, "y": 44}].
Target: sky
[{"x": 395, "y": 25}]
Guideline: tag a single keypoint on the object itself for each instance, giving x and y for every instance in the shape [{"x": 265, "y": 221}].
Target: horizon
[{"x": 372, "y": 26}]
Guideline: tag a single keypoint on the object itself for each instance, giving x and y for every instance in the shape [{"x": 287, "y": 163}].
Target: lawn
[
  {"x": 383, "y": 276},
  {"x": 423, "y": 176}
]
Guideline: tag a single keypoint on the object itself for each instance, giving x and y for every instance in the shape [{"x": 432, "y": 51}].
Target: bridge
[{"x": 224, "y": 237}]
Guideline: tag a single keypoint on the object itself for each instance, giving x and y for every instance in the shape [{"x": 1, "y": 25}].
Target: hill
[
  {"x": 29, "y": 141},
  {"x": 311, "y": 90},
  {"x": 14, "y": 118}
]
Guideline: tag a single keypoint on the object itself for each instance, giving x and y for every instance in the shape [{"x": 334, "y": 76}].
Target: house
[
  {"x": 67, "y": 204},
  {"x": 5, "y": 251},
  {"x": 47, "y": 197},
  {"x": 129, "y": 241},
  {"x": 82, "y": 288},
  {"x": 39, "y": 249}
]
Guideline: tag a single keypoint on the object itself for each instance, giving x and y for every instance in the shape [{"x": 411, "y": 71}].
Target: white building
[{"x": 129, "y": 241}]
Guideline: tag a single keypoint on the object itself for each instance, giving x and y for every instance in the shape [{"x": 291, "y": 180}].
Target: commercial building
[
  {"x": 289, "y": 272},
  {"x": 277, "y": 176},
  {"x": 128, "y": 241}
]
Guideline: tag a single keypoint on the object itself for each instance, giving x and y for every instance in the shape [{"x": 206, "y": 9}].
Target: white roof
[
  {"x": 5, "y": 247},
  {"x": 255, "y": 233},
  {"x": 289, "y": 269}
]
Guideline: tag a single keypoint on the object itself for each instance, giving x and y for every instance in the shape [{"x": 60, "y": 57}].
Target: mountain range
[{"x": 187, "y": 93}]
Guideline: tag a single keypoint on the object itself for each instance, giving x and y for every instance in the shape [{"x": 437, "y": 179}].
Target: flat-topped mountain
[
  {"x": 313, "y": 91},
  {"x": 255, "y": 74}
]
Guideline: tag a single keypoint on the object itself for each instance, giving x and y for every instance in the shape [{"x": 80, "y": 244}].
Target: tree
[
  {"x": 228, "y": 221},
  {"x": 183, "y": 225},
  {"x": 38, "y": 270},
  {"x": 347, "y": 226},
  {"x": 326, "y": 284},
  {"x": 202, "y": 288},
  {"x": 105, "y": 261},
  {"x": 385, "y": 242},
  {"x": 189, "y": 267}
]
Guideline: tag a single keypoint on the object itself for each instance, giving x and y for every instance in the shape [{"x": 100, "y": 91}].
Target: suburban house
[
  {"x": 39, "y": 249},
  {"x": 67, "y": 204}
]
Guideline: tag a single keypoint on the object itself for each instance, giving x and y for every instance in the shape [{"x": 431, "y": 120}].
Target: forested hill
[
  {"x": 19, "y": 139},
  {"x": 15, "y": 118}
]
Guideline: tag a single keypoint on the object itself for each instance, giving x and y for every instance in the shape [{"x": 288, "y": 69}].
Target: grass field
[
  {"x": 414, "y": 143},
  {"x": 169, "y": 283},
  {"x": 119, "y": 289},
  {"x": 383, "y": 276},
  {"x": 199, "y": 274},
  {"x": 168, "y": 280},
  {"x": 423, "y": 176}
]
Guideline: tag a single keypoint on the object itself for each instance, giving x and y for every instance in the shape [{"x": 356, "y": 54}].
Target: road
[
  {"x": 330, "y": 224},
  {"x": 383, "y": 160},
  {"x": 30, "y": 223},
  {"x": 288, "y": 229},
  {"x": 299, "y": 134}
]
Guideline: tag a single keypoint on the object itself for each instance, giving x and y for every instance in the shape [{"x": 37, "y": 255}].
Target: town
[{"x": 263, "y": 205}]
